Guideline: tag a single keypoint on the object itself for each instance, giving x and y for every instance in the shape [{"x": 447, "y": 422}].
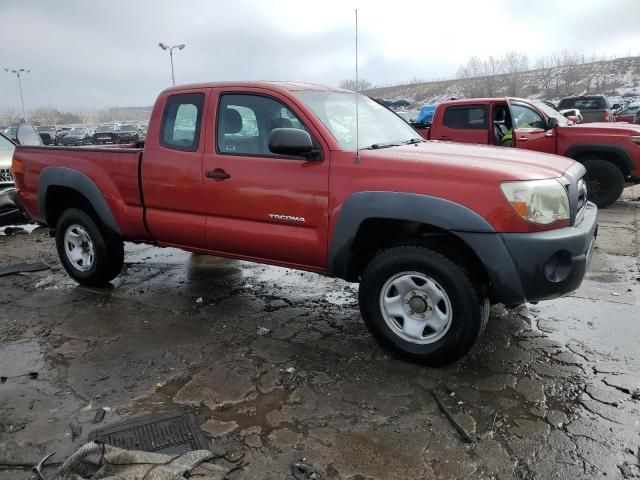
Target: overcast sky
[{"x": 90, "y": 54}]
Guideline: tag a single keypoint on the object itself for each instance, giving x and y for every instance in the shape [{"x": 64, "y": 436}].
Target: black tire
[
  {"x": 605, "y": 182},
  {"x": 469, "y": 307},
  {"x": 108, "y": 255}
]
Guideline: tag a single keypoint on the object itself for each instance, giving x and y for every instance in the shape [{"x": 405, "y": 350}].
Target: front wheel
[
  {"x": 89, "y": 256},
  {"x": 421, "y": 306},
  {"x": 605, "y": 182}
]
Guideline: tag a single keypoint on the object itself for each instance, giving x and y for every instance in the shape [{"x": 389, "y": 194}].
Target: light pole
[
  {"x": 165, "y": 47},
  {"x": 17, "y": 73}
]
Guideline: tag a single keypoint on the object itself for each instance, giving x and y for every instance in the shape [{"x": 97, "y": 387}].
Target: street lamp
[
  {"x": 17, "y": 73},
  {"x": 165, "y": 47}
]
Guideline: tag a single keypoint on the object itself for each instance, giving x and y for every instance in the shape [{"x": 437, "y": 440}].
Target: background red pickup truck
[
  {"x": 610, "y": 152},
  {"x": 271, "y": 172}
]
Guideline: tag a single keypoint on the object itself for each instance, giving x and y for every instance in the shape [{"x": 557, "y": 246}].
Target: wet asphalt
[{"x": 278, "y": 369}]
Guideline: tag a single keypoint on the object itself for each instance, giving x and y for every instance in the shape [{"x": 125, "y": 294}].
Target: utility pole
[
  {"x": 165, "y": 47},
  {"x": 17, "y": 73}
]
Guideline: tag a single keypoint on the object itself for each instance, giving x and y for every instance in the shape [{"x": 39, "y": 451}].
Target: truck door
[
  {"x": 530, "y": 129},
  {"x": 260, "y": 205},
  {"x": 171, "y": 171},
  {"x": 463, "y": 123}
]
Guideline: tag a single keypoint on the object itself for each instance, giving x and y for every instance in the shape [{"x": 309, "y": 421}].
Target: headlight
[{"x": 538, "y": 201}]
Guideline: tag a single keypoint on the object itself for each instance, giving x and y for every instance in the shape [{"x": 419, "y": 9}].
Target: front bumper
[{"x": 527, "y": 267}]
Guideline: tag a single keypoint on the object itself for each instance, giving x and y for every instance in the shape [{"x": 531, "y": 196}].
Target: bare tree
[
  {"x": 569, "y": 62},
  {"x": 357, "y": 86},
  {"x": 514, "y": 63},
  {"x": 471, "y": 73},
  {"x": 45, "y": 116},
  {"x": 545, "y": 65},
  {"x": 10, "y": 115},
  {"x": 491, "y": 68}
]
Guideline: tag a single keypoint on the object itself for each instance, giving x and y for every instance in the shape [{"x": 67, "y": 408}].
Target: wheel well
[
  {"x": 376, "y": 234},
  {"x": 612, "y": 157},
  {"x": 59, "y": 199}
]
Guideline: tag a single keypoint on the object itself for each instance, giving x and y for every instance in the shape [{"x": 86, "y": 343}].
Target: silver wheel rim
[
  {"x": 79, "y": 248},
  {"x": 416, "y": 308}
]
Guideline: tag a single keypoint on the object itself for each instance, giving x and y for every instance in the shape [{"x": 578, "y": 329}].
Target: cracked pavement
[{"x": 277, "y": 364}]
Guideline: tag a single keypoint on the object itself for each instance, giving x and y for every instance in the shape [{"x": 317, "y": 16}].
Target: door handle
[
  {"x": 523, "y": 139},
  {"x": 548, "y": 134},
  {"x": 218, "y": 174}
]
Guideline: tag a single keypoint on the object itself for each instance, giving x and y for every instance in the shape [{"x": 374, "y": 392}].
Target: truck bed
[{"x": 114, "y": 170}]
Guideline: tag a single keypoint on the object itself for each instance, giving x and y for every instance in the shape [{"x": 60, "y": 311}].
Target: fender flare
[
  {"x": 439, "y": 212},
  {"x": 574, "y": 150},
  {"x": 81, "y": 183}
]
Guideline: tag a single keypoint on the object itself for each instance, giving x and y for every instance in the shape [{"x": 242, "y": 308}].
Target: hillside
[{"x": 615, "y": 78}]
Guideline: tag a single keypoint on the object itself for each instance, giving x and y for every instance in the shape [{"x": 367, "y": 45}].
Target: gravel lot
[{"x": 278, "y": 368}]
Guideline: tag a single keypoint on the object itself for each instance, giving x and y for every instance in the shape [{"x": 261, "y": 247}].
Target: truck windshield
[{"x": 379, "y": 127}]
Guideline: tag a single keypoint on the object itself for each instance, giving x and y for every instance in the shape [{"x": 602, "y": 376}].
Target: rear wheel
[
  {"x": 89, "y": 256},
  {"x": 422, "y": 306},
  {"x": 605, "y": 182}
]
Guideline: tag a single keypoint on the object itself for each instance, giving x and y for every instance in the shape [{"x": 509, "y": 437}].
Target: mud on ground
[{"x": 279, "y": 368}]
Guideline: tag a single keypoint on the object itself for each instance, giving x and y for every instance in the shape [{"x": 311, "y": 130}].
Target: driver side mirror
[
  {"x": 552, "y": 123},
  {"x": 290, "y": 141},
  {"x": 616, "y": 106}
]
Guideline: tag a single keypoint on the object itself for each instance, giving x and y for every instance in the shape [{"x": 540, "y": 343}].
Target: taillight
[
  {"x": 17, "y": 166},
  {"x": 605, "y": 117}
]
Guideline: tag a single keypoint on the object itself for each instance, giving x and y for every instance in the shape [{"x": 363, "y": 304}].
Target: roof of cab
[{"x": 288, "y": 86}]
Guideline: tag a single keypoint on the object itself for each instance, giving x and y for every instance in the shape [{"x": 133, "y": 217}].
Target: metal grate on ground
[{"x": 172, "y": 433}]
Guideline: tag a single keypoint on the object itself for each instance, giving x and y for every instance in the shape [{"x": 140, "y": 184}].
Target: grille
[
  {"x": 5, "y": 175},
  {"x": 582, "y": 195}
]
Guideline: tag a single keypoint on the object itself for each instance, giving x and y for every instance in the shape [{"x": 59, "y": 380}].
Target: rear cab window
[
  {"x": 467, "y": 117},
  {"x": 181, "y": 122},
  {"x": 584, "y": 103}
]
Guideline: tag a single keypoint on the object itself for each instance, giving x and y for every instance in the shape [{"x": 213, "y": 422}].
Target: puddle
[{"x": 19, "y": 359}]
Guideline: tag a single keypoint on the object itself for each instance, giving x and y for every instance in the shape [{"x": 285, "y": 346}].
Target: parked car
[
  {"x": 628, "y": 114},
  {"x": 594, "y": 108},
  {"x": 433, "y": 231},
  {"x": 62, "y": 131},
  {"x": 6, "y": 153},
  {"x": 142, "y": 136},
  {"x": 78, "y": 136},
  {"x": 48, "y": 134},
  {"x": 107, "y": 133},
  {"x": 572, "y": 114},
  {"x": 426, "y": 114},
  {"x": 11, "y": 133},
  {"x": 610, "y": 152},
  {"x": 127, "y": 133}
]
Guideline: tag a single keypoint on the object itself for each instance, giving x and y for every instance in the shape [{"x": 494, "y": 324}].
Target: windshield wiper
[
  {"x": 413, "y": 141},
  {"x": 376, "y": 146}
]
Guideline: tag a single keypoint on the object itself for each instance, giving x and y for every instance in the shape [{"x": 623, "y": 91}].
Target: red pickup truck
[
  {"x": 610, "y": 152},
  {"x": 270, "y": 172}
]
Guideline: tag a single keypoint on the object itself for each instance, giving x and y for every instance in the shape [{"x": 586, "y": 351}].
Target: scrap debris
[
  {"x": 23, "y": 268},
  {"x": 466, "y": 436}
]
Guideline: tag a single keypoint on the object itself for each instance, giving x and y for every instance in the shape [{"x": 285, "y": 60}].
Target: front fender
[{"x": 360, "y": 206}]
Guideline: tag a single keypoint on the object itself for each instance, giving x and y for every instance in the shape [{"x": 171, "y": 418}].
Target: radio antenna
[{"x": 357, "y": 87}]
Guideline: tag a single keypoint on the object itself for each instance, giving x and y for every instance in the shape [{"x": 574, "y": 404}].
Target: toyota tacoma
[{"x": 283, "y": 174}]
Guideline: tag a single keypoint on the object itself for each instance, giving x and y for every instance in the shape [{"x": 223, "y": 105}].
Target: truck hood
[
  {"x": 616, "y": 128},
  {"x": 479, "y": 161}
]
